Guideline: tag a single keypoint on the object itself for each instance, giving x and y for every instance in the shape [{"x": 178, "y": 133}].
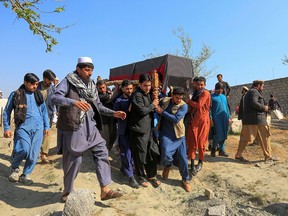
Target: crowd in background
[{"x": 150, "y": 127}]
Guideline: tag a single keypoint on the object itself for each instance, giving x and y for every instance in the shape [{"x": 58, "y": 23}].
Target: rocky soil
[{"x": 235, "y": 188}]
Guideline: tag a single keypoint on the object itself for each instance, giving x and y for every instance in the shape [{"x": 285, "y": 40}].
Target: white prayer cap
[
  {"x": 245, "y": 88},
  {"x": 85, "y": 60},
  {"x": 56, "y": 78}
]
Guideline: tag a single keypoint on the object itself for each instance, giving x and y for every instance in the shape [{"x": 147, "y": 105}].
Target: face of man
[
  {"x": 177, "y": 98},
  {"x": 85, "y": 73},
  {"x": 31, "y": 87},
  {"x": 47, "y": 82},
  {"x": 219, "y": 78},
  {"x": 261, "y": 87},
  {"x": 102, "y": 88},
  {"x": 127, "y": 90},
  {"x": 194, "y": 84},
  {"x": 201, "y": 85},
  {"x": 145, "y": 86}
]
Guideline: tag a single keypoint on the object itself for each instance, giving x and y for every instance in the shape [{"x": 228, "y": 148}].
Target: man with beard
[
  {"x": 254, "y": 122},
  {"x": 79, "y": 123},
  {"x": 122, "y": 103},
  {"x": 199, "y": 124},
  {"x": 107, "y": 97}
]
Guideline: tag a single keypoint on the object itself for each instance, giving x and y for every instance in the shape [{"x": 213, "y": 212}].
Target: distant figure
[
  {"x": 274, "y": 104},
  {"x": 31, "y": 121},
  {"x": 254, "y": 122},
  {"x": 78, "y": 126},
  {"x": 226, "y": 89},
  {"x": 199, "y": 124},
  {"x": 275, "y": 108}
]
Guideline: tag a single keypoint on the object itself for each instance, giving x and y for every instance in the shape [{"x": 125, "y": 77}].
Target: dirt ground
[{"x": 244, "y": 189}]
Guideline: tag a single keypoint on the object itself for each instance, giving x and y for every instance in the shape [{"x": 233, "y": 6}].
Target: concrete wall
[
  {"x": 2, "y": 106},
  {"x": 276, "y": 87}
]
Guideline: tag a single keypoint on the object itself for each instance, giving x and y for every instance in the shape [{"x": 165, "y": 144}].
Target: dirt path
[{"x": 245, "y": 189}]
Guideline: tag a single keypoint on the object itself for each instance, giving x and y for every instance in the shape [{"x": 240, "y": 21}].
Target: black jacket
[
  {"x": 253, "y": 106},
  {"x": 141, "y": 115}
]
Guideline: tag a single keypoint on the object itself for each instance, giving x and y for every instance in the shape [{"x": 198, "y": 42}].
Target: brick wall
[{"x": 276, "y": 87}]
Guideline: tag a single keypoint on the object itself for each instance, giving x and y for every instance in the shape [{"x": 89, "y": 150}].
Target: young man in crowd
[
  {"x": 31, "y": 119},
  {"x": 140, "y": 125},
  {"x": 172, "y": 135},
  {"x": 122, "y": 103},
  {"x": 47, "y": 88},
  {"x": 199, "y": 124},
  {"x": 226, "y": 86}
]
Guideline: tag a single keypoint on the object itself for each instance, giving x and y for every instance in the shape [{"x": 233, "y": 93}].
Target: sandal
[
  {"x": 64, "y": 197},
  {"x": 111, "y": 195},
  {"x": 44, "y": 158},
  {"x": 143, "y": 183},
  {"x": 242, "y": 159},
  {"x": 155, "y": 182}
]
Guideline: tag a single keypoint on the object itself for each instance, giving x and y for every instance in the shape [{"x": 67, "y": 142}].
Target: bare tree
[
  {"x": 199, "y": 61},
  {"x": 285, "y": 60},
  {"x": 31, "y": 12}
]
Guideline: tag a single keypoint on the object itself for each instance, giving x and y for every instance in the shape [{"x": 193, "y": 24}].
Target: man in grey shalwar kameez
[{"x": 78, "y": 122}]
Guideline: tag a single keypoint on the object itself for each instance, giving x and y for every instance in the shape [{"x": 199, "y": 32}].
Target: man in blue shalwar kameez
[
  {"x": 172, "y": 135},
  {"x": 31, "y": 123}
]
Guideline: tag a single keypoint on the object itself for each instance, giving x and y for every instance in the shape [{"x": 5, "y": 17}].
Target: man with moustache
[
  {"x": 140, "y": 125},
  {"x": 47, "y": 89},
  {"x": 78, "y": 126},
  {"x": 122, "y": 103},
  {"x": 31, "y": 121}
]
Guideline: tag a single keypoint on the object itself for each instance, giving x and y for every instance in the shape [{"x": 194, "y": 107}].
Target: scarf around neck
[
  {"x": 87, "y": 91},
  {"x": 20, "y": 103}
]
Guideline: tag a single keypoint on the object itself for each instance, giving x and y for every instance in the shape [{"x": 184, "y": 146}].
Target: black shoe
[
  {"x": 213, "y": 152},
  {"x": 193, "y": 171},
  {"x": 133, "y": 183},
  {"x": 199, "y": 166},
  {"x": 223, "y": 154}
]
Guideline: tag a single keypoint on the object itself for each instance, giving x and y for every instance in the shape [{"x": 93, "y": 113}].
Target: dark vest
[{"x": 69, "y": 117}]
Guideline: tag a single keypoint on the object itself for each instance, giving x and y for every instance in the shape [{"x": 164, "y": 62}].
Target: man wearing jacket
[{"x": 254, "y": 111}]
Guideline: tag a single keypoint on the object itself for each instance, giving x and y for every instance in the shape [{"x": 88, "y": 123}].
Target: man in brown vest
[{"x": 78, "y": 126}]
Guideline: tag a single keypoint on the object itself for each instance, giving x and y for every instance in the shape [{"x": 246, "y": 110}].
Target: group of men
[{"x": 86, "y": 111}]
